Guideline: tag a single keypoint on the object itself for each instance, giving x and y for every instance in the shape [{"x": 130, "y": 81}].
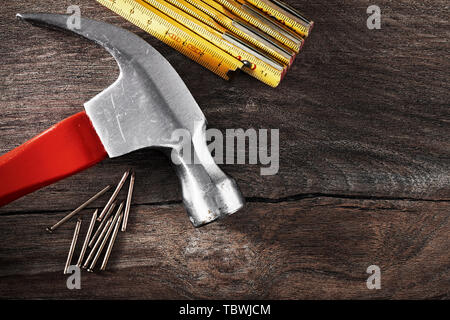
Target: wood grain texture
[
  {"x": 313, "y": 248},
  {"x": 364, "y": 165}
]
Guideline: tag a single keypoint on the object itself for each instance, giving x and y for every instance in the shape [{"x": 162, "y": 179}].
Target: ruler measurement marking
[
  {"x": 159, "y": 21},
  {"x": 204, "y": 45},
  {"x": 268, "y": 7},
  {"x": 234, "y": 8},
  {"x": 217, "y": 12},
  {"x": 181, "y": 16}
]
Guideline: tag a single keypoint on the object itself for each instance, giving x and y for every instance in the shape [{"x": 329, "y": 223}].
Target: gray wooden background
[{"x": 364, "y": 165}]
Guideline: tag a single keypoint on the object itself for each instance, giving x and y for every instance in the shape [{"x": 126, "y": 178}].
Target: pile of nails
[{"x": 107, "y": 229}]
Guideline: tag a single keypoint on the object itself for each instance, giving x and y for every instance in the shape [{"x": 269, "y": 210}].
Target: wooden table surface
[{"x": 364, "y": 174}]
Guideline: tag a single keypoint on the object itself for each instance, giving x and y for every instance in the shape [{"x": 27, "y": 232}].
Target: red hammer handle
[{"x": 64, "y": 149}]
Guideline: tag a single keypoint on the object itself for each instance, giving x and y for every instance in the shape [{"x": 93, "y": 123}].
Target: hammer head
[{"x": 144, "y": 107}]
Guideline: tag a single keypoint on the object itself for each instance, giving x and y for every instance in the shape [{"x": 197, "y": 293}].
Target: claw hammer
[{"x": 141, "y": 109}]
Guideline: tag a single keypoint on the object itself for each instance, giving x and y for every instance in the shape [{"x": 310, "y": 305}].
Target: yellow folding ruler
[
  {"x": 255, "y": 63},
  {"x": 258, "y": 20},
  {"x": 210, "y": 34},
  {"x": 247, "y": 32},
  {"x": 285, "y": 14},
  {"x": 175, "y": 35}
]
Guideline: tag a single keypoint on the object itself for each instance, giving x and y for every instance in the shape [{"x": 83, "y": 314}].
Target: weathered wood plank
[
  {"x": 361, "y": 112},
  {"x": 313, "y": 248},
  {"x": 363, "y": 118}
]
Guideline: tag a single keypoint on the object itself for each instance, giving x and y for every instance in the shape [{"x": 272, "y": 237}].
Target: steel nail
[
  {"x": 114, "y": 195},
  {"x": 128, "y": 205},
  {"x": 91, "y": 254},
  {"x": 72, "y": 245},
  {"x": 111, "y": 243},
  {"x": 74, "y": 212},
  {"x": 86, "y": 239},
  {"x": 117, "y": 217},
  {"x": 100, "y": 227}
]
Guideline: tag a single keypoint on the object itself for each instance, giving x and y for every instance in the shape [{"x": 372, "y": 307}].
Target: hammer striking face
[{"x": 143, "y": 108}]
